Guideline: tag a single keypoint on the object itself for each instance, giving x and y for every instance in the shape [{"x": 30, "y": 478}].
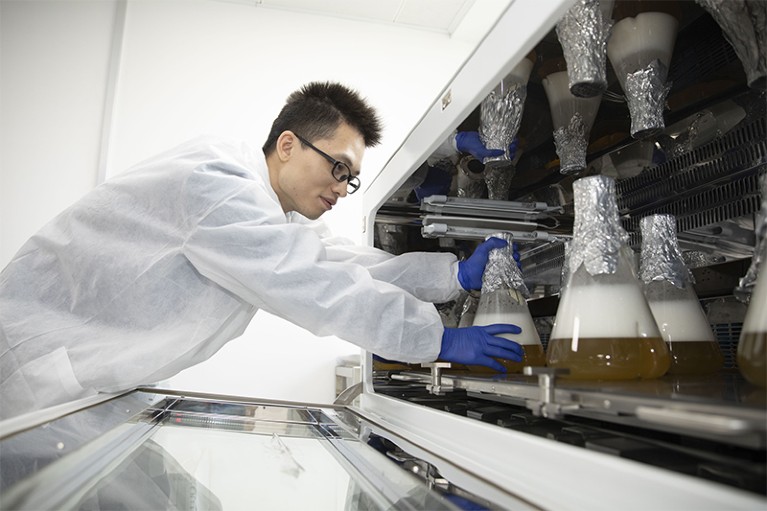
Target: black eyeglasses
[{"x": 341, "y": 171}]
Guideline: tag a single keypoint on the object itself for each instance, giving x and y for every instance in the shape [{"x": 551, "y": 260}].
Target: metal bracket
[
  {"x": 436, "y": 387},
  {"x": 546, "y": 405}
]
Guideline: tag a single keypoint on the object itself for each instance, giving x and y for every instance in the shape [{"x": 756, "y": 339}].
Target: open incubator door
[{"x": 696, "y": 151}]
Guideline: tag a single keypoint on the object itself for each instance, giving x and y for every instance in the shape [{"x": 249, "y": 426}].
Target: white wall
[
  {"x": 54, "y": 59},
  {"x": 186, "y": 67}
]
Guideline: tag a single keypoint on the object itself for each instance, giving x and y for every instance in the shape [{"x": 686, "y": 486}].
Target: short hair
[{"x": 317, "y": 109}]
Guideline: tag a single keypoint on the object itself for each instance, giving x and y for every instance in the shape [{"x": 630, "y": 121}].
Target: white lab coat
[{"x": 156, "y": 269}]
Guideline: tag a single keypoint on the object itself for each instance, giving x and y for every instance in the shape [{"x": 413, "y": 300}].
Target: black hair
[{"x": 317, "y": 109}]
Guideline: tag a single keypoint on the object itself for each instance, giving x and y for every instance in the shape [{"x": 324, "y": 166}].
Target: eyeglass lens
[{"x": 342, "y": 172}]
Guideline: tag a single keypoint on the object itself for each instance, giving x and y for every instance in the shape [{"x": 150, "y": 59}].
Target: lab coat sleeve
[
  {"x": 284, "y": 269},
  {"x": 432, "y": 277}
]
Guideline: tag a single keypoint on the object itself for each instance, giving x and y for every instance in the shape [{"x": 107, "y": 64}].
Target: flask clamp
[
  {"x": 436, "y": 386},
  {"x": 546, "y": 406}
]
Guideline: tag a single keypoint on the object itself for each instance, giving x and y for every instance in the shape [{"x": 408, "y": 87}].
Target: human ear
[{"x": 286, "y": 145}]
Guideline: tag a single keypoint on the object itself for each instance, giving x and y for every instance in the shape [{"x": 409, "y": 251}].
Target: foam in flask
[
  {"x": 752, "y": 352},
  {"x": 503, "y": 300},
  {"x": 604, "y": 329},
  {"x": 668, "y": 287}
]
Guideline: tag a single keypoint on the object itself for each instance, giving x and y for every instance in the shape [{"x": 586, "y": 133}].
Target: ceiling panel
[
  {"x": 435, "y": 14},
  {"x": 431, "y": 15},
  {"x": 378, "y": 10}
]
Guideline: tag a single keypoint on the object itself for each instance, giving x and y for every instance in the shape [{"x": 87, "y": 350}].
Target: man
[{"x": 156, "y": 269}]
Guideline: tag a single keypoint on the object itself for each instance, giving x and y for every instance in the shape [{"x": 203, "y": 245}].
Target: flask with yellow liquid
[
  {"x": 668, "y": 287},
  {"x": 752, "y": 346},
  {"x": 503, "y": 300},
  {"x": 604, "y": 329}
]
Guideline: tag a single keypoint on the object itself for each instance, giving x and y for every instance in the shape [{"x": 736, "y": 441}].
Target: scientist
[{"x": 156, "y": 269}]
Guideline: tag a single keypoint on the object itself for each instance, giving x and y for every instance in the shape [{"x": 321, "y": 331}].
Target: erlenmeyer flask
[
  {"x": 640, "y": 50},
  {"x": 583, "y": 34},
  {"x": 469, "y": 311},
  {"x": 572, "y": 118},
  {"x": 752, "y": 346},
  {"x": 503, "y": 300},
  {"x": 668, "y": 287},
  {"x": 604, "y": 329}
]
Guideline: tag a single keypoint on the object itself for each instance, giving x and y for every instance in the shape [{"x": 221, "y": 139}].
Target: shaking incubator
[{"x": 634, "y": 199}]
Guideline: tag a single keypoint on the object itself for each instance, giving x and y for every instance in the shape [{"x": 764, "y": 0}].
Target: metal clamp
[
  {"x": 546, "y": 405},
  {"x": 436, "y": 387}
]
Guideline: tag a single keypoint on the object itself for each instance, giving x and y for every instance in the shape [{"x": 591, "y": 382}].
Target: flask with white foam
[
  {"x": 503, "y": 300},
  {"x": 604, "y": 329},
  {"x": 668, "y": 287},
  {"x": 752, "y": 346}
]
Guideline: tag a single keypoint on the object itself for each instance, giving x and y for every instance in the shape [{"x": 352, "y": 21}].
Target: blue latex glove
[
  {"x": 470, "y": 271},
  {"x": 515, "y": 254},
  {"x": 475, "y": 345},
  {"x": 469, "y": 142},
  {"x": 437, "y": 182}
]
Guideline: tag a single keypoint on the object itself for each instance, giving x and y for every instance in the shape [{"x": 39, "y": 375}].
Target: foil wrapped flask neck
[
  {"x": 583, "y": 33},
  {"x": 500, "y": 118},
  {"x": 571, "y": 144},
  {"x": 501, "y": 112},
  {"x": 501, "y": 271},
  {"x": 744, "y": 24},
  {"x": 661, "y": 259},
  {"x": 598, "y": 236},
  {"x": 646, "y": 92},
  {"x": 498, "y": 180}
]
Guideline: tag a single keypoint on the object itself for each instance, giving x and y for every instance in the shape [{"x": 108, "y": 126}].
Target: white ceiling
[{"x": 430, "y": 15}]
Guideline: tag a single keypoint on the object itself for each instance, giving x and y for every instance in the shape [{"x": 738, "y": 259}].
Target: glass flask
[
  {"x": 604, "y": 329},
  {"x": 503, "y": 300},
  {"x": 668, "y": 287},
  {"x": 752, "y": 353},
  {"x": 469, "y": 310}
]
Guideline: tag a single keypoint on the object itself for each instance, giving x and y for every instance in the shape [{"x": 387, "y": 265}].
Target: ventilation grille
[
  {"x": 544, "y": 261},
  {"x": 713, "y": 183},
  {"x": 727, "y": 335},
  {"x": 738, "y": 152},
  {"x": 698, "y": 57}
]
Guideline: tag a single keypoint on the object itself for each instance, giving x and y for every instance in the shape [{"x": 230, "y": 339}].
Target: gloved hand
[
  {"x": 469, "y": 142},
  {"x": 437, "y": 182},
  {"x": 470, "y": 271},
  {"x": 475, "y": 345}
]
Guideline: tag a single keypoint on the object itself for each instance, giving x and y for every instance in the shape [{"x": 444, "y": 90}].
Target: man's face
[{"x": 305, "y": 183}]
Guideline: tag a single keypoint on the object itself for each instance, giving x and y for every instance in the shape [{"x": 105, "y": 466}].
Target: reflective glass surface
[{"x": 178, "y": 453}]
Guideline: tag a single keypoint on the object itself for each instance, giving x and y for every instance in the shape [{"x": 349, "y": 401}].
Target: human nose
[{"x": 339, "y": 188}]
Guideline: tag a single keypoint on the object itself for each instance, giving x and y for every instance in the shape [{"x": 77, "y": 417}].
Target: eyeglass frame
[{"x": 352, "y": 181}]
